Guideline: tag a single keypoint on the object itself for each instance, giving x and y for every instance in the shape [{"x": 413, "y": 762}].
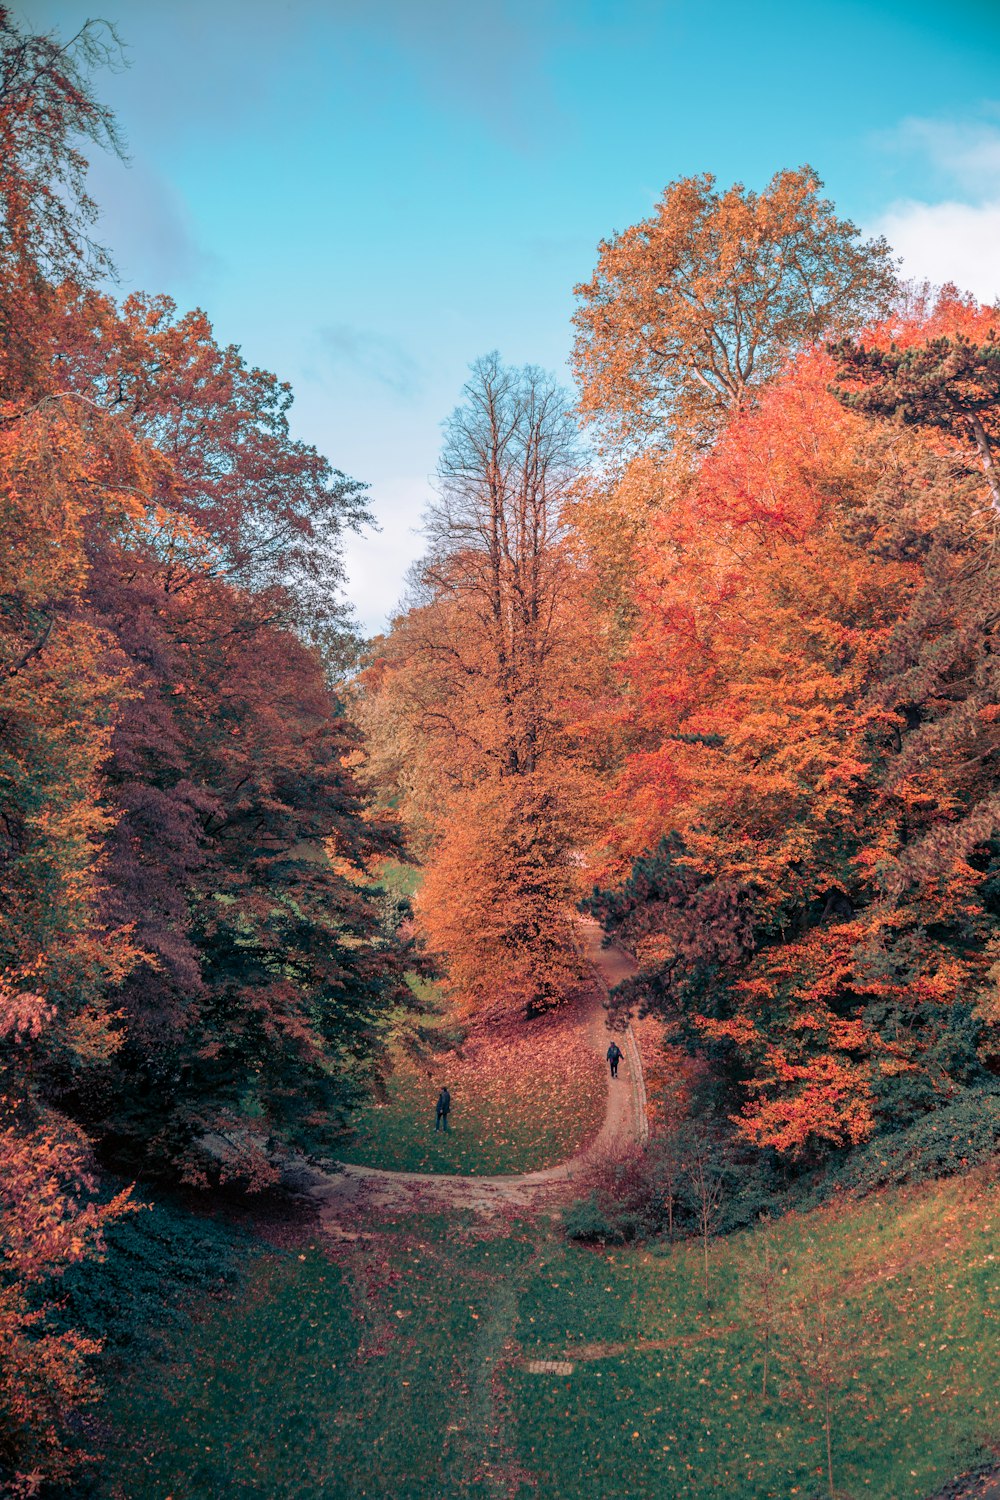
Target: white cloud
[
  {"x": 377, "y": 562},
  {"x": 967, "y": 152},
  {"x": 954, "y": 237},
  {"x": 949, "y": 241}
]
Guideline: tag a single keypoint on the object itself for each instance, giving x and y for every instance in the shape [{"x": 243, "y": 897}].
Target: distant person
[
  {"x": 443, "y": 1110},
  {"x": 614, "y": 1058}
]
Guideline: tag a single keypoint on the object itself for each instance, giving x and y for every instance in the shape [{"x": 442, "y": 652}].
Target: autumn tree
[
  {"x": 497, "y": 896},
  {"x": 48, "y": 113},
  {"x": 760, "y": 1290},
  {"x": 272, "y": 509},
  {"x": 820, "y": 1347},
  {"x": 194, "y": 964},
  {"x": 63, "y": 472},
  {"x": 807, "y": 801},
  {"x": 488, "y": 667},
  {"x": 497, "y": 561},
  {"x": 949, "y": 383},
  {"x": 691, "y": 311},
  {"x": 241, "y": 852},
  {"x": 704, "y": 1179}
]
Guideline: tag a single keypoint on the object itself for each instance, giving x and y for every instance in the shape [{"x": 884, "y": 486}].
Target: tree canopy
[{"x": 691, "y": 311}]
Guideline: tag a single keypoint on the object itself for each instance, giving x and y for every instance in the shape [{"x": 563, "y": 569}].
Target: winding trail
[{"x": 624, "y": 1121}]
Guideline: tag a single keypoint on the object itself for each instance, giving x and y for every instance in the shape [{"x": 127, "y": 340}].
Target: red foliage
[{"x": 809, "y": 715}]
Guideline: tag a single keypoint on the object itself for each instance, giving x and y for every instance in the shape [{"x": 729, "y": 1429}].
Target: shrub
[{"x": 159, "y": 1264}]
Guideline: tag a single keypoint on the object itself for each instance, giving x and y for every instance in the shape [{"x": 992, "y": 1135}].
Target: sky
[{"x": 366, "y": 195}]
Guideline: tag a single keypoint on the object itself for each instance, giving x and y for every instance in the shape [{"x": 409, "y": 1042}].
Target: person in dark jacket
[
  {"x": 614, "y": 1058},
  {"x": 443, "y": 1109}
]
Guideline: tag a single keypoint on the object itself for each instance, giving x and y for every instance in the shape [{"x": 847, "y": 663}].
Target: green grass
[
  {"x": 394, "y": 1365},
  {"x": 519, "y": 1102},
  {"x": 485, "y": 1137},
  {"x": 328, "y": 1381},
  {"x": 398, "y": 1369},
  {"x": 688, "y": 1418},
  {"x": 525, "y": 1094}
]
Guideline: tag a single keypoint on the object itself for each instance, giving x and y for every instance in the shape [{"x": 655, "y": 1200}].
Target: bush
[
  {"x": 623, "y": 1203},
  {"x": 961, "y": 1134},
  {"x": 637, "y": 1194},
  {"x": 641, "y": 1195},
  {"x": 159, "y": 1264},
  {"x": 597, "y": 1218}
]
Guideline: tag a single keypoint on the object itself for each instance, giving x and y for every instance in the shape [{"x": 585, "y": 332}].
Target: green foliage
[
  {"x": 653, "y": 1194},
  {"x": 598, "y": 1217},
  {"x": 161, "y": 1266},
  {"x": 960, "y": 1134}
]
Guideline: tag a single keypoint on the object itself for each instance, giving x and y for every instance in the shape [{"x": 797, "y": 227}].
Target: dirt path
[{"x": 624, "y": 1121}]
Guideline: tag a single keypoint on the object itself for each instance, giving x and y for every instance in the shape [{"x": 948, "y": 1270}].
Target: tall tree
[
  {"x": 192, "y": 958},
  {"x": 64, "y": 471},
  {"x": 690, "y": 311},
  {"x": 489, "y": 666},
  {"x": 497, "y": 563},
  {"x": 241, "y": 854}
]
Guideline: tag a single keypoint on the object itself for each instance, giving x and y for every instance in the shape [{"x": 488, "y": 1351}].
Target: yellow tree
[{"x": 694, "y": 308}]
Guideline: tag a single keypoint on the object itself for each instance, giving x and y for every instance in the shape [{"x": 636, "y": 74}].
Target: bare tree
[
  {"x": 496, "y": 558},
  {"x": 760, "y": 1276},
  {"x": 47, "y": 111},
  {"x": 819, "y": 1346},
  {"x": 705, "y": 1178}
]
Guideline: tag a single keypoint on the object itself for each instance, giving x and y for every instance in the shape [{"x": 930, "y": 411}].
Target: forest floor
[
  {"x": 436, "y": 1339},
  {"x": 518, "y": 1098}
]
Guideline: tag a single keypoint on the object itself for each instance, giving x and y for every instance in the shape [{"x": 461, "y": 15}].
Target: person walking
[
  {"x": 443, "y": 1110},
  {"x": 614, "y": 1058}
]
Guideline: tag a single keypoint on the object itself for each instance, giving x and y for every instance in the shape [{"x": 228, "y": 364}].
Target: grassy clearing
[
  {"x": 916, "y": 1281},
  {"x": 398, "y": 1367},
  {"x": 524, "y": 1096},
  {"x": 367, "y": 1376}
]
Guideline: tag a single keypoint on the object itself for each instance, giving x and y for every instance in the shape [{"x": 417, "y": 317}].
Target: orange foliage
[
  {"x": 789, "y": 928},
  {"x": 497, "y": 897},
  {"x": 691, "y": 311}
]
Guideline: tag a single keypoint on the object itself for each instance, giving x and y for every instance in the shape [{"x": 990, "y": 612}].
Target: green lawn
[
  {"x": 397, "y": 1369},
  {"x": 523, "y": 1097}
]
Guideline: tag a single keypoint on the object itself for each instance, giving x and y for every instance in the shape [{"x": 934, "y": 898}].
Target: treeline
[
  {"x": 195, "y": 968},
  {"x": 763, "y": 727}
]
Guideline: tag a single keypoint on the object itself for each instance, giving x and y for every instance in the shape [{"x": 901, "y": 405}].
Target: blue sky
[{"x": 368, "y": 194}]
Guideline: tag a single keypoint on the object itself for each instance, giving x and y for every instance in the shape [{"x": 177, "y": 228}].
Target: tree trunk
[{"x": 986, "y": 459}]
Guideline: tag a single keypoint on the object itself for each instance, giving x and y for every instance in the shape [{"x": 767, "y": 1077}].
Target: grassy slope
[
  {"x": 397, "y": 1369},
  {"x": 524, "y": 1096},
  {"x": 521, "y": 1100}
]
